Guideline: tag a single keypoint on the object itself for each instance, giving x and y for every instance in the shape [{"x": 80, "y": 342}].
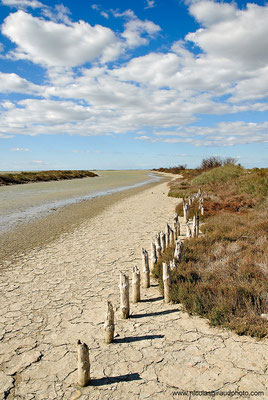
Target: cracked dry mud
[{"x": 54, "y": 296}]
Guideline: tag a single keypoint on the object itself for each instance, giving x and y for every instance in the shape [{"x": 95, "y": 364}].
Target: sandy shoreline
[
  {"x": 54, "y": 296},
  {"x": 44, "y": 230}
]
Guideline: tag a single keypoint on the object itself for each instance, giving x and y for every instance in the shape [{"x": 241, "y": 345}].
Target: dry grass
[
  {"x": 16, "y": 178},
  {"x": 223, "y": 275}
]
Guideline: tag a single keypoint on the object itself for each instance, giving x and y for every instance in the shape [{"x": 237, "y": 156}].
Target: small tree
[
  {"x": 211, "y": 162},
  {"x": 215, "y": 161}
]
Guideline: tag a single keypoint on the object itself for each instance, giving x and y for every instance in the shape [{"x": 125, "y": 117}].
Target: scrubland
[{"x": 223, "y": 274}]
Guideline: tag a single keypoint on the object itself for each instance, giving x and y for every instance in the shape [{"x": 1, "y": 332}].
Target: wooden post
[
  {"x": 202, "y": 210},
  {"x": 153, "y": 258},
  {"x": 167, "y": 282},
  {"x": 109, "y": 324},
  {"x": 153, "y": 250},
  {"x": 172, "y": 265},
  {"x": 175, "y": 222},
  {"x": 136, "y": 279},
  {"x": 172, "y": 234},
  {"x": 124, "y": 295},
  {"x": 168, "y": 238},
  {"x": 163, "y": 241},
  {"x": 197, "y": 226},
  {"x": 178, "y": 250},
  {"x": 188, "y": 231},
  {"x": 184, "y": 213},
  {"x": 145, "y": 269},
  {"x": 83, "y": 364},
  {"x": 158, "y": 245},
  {"x": 177, "y": 229},
  {"x": 194, "y": 226},
  {"x": 186, "y": 210}
]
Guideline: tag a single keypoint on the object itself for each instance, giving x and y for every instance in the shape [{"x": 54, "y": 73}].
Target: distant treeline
[
  {"x": 171, "y": 170},
  {"x": 16, "y": 178},
  {"x": 206, "y": 164}
]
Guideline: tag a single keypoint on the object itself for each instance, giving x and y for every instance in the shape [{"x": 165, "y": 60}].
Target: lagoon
[{"x": 22, "y": 203}]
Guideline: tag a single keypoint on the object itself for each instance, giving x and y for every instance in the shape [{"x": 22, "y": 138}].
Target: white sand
[{"x": 52, "y": 297}]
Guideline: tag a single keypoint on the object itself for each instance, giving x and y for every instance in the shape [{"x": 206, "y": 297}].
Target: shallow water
[{"x": 21, "y": 203}]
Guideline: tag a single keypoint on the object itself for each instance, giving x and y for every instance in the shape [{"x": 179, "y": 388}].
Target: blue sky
[{"x": 132, "y": 84}]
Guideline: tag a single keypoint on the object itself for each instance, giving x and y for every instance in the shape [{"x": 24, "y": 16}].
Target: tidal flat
[{"x": 38, "y": 213}]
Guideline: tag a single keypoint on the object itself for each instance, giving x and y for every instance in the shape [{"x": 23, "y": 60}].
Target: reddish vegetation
[{"x": 232, "y": 203}]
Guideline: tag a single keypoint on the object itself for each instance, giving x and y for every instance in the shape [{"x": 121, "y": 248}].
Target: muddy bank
[{"x": 46, "y": 229}]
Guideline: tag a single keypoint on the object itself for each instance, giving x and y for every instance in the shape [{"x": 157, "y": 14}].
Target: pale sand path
[{"x": 52, "y": 297}]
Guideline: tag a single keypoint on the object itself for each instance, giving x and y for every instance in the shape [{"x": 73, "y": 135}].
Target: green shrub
[{"x": 219, "y": 175}]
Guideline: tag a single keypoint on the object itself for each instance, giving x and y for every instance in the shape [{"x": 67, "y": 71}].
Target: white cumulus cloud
[
  {"x": 53, "y": 44},
  {"x": 135, "y": 29},
  {"x": 13, "y": 83},
  {"x": 158, "y": 92},
  {"x": 232, "y": 34}
]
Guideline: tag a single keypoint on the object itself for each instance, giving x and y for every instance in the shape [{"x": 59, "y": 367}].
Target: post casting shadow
[
  {"x": 153, "y": 314},
  {"x": 151, "y": 300},
  {"x": 131, "y": 339},
  {"x": 115, "y": 379}
]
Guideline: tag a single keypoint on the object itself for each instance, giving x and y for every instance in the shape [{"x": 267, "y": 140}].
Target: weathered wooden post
[
  {"x": 153, "y": 257},
  {"x": 197, "y": 226},
  {"x": 83, "y": 364},
  {"x": 136, "y": 278},
  {"x": 172, "y": 265},
  {"x": 109, "y": 324},
  {"x": 177, "y": 229},
  {"x": 186, "y": 210},
  {"x": 172, "y": 235},
  {"x": 145, "y": 269},
  {"x": 202, "y": 210},
  {"x": 158, "y": 245},
  {"x": 163, "y": 241},
  {"x": 166, "y": 282},
  {"x": 194, "y": 226},
  {"x": 178, "y": 250},
  {"x": 124, "y": 295},
  {"x": 168, "y": 238},
  {"x": 175, "y": 222},
  {"x": 188, "y": 230}
]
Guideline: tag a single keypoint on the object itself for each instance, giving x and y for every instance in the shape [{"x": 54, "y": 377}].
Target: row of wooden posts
[{"x": 162, "y": 241}]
